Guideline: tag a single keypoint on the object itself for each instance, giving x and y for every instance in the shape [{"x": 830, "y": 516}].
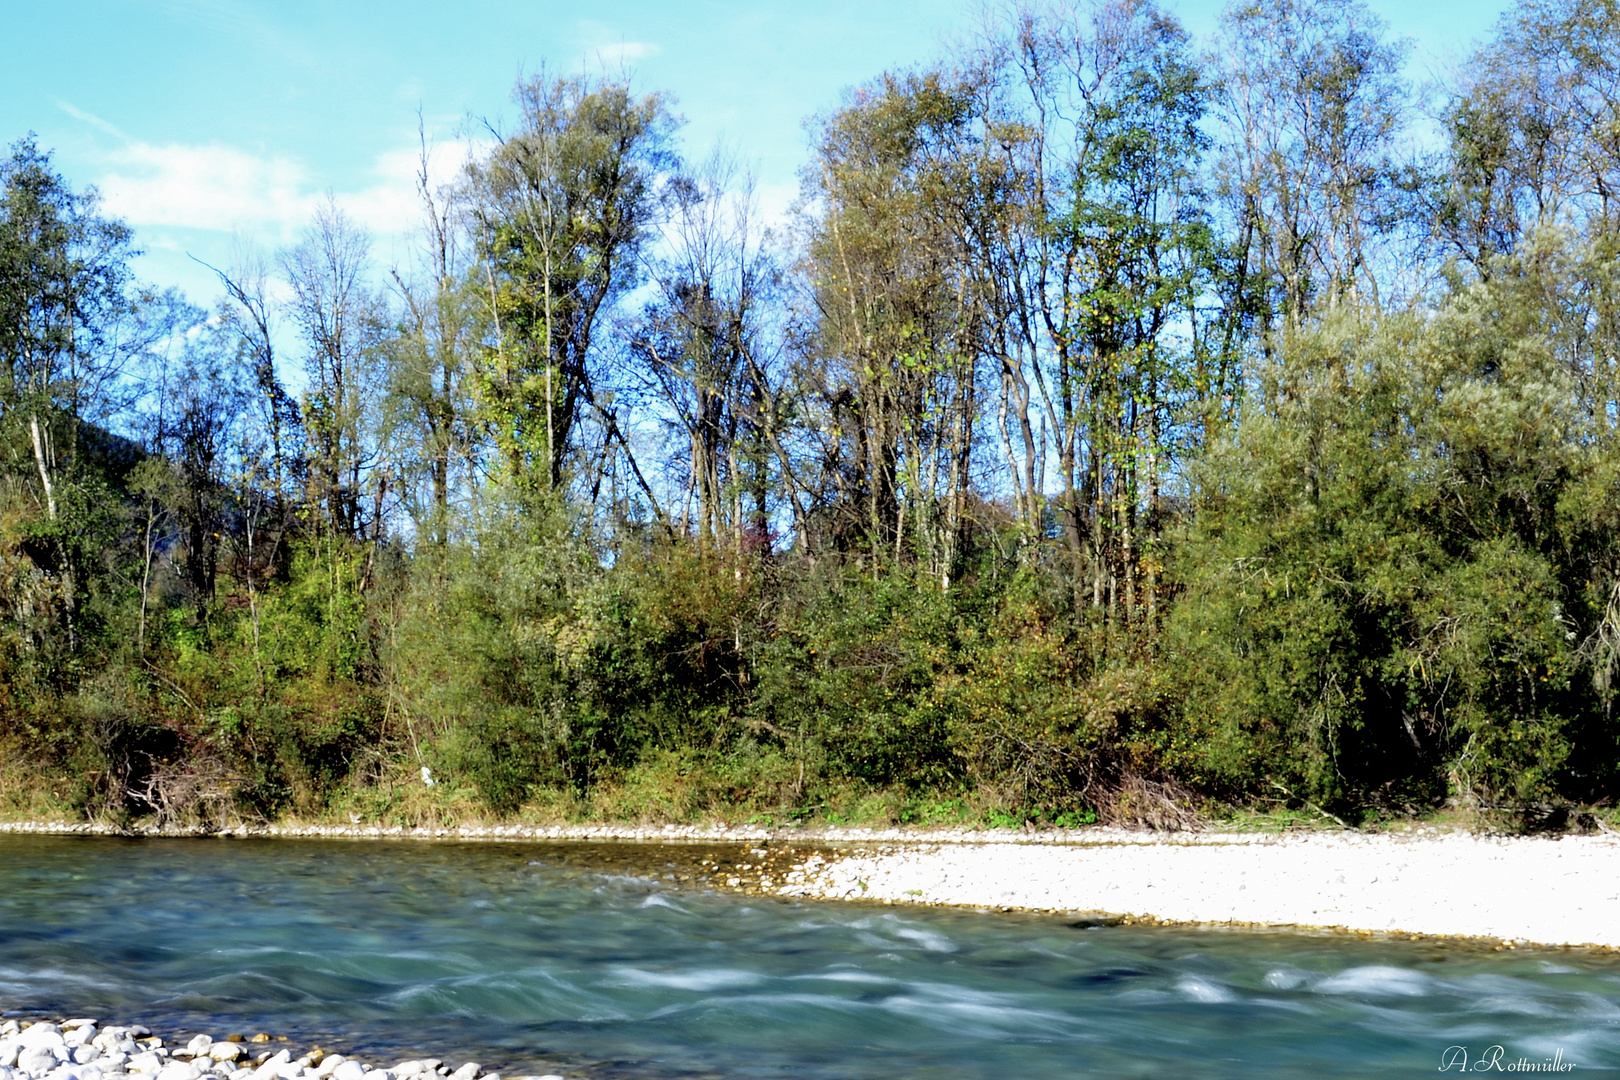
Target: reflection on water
[{"x": 535, "y": 956}]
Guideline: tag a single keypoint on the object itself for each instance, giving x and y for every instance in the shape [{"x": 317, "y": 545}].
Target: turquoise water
[{"x": 530, "y": 957}]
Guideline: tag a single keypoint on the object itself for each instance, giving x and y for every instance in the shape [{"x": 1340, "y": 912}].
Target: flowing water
[{"x": 584, "y": 959}]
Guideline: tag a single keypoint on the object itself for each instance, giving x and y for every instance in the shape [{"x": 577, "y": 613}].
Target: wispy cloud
[
  {"x": 609, "y": 48},
  {"x": 246, "y": 22},
  {"x": 626, "y": 52},
  {"x": 93, "y": 121},
  {"x": 269, "y": 197}
]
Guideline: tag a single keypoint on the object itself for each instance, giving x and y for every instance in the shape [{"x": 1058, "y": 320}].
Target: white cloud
[
  {"x": 773, "y": 202},
  {"x": 268, "y": 198},
  {"x": 391, "y": 203},
  {"x": 207, "y": 186}
]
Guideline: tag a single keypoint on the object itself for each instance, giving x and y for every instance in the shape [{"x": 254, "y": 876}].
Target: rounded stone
[
  {"x": 147, "y": 1061},
  {"x": 37, "y": 1059}
]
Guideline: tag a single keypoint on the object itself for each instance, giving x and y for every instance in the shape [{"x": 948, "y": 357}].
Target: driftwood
[{"x": 199, "y": 793}]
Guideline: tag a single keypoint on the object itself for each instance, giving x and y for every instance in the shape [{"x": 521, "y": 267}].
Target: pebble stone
[{"x": 80, "y": 1049}]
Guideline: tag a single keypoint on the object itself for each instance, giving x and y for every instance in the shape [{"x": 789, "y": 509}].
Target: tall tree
[
  {"x": 431, "y": 358},
  {"x": 1313, "y": 105},
  {"x": 702, "y": 344},
  {"x": 564, "y": 206},
  {"x": 1532, "y": 131},
  {"x": 1119, "y": 262},
  {"x": 902, "y": 178},
  {"x": 65, "y": 302},
  {"x": 72, "y": 325},
  {"x": 340, "y": 321}
]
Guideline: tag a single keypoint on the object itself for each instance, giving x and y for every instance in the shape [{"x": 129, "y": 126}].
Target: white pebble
[{"x": 37, "y": 1059}]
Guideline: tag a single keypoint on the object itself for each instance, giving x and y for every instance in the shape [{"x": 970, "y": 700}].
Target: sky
[{"x": 206, "y": 123}]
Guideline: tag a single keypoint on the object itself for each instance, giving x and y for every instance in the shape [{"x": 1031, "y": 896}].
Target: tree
[
  {"x": 72, "y": 325},
  {"x": 432, "y": 358},
  {"x": 1119, "y": 261},
  {"x": 1312, "y": 104},
  {"x": 564, "y": 207},
  {"x": 702, "y": 346},
  {"x": 341, "y": 323},
  {"x": 1397, "y": 584},
  {"x": 65, "y": 291},
  {"x": 1532, "y": 132},
  {"x": 903, "y": 184}
]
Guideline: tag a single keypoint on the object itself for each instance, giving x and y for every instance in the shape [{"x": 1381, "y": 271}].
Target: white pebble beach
[{"x": 1527, "y": 890}]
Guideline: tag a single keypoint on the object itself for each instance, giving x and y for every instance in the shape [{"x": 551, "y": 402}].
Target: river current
[{"x": 587, "y": 961}]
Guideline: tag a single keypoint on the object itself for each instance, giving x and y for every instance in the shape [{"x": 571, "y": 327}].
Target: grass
[{"x": 676, "y": 788}]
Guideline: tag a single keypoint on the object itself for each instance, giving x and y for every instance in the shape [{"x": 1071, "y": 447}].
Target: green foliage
[
  {"x": 847, "y": 673},
  {"x": 1388, "y": 577}
]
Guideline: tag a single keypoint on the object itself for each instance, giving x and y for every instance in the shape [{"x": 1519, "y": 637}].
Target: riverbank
[{"x": 1559, "y": 890}]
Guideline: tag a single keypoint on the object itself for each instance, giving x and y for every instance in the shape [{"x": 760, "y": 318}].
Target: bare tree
[
  {"x": 703, "y": 347},
  {"x": 433, "y": 356},
  {"x": 339, "y": 319},
  {"x": 1313, "y": 105}
]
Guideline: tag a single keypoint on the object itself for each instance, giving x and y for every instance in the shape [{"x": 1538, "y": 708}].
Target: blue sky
[{"x": 201, "y": 120}]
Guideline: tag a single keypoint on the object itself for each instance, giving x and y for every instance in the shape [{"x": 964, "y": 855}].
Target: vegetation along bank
[{"x": 1123, "y": 428}]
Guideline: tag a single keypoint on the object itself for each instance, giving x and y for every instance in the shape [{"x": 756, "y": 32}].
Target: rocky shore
[{"x": 83, "y": 1049}]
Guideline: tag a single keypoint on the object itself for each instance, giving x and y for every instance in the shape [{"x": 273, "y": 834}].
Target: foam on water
[
  {"x": 1203, "y": 990},
  {"x": 660, "y": 900},
  {"x": 928, "y": 939},
  {"x": 688, "y": 980},
  {"x": 1375, "y": 980},
  {"x": 1284, "y": 978}
]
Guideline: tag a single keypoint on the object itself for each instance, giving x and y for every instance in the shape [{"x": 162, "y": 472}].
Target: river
[{"x": 596, "y": 961}]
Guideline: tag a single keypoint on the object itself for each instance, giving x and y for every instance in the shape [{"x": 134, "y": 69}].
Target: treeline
[{"x": 1122, "y": 426}]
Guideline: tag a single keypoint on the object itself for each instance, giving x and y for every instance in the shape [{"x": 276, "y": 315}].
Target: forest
[{"x": 1120, "y": 427}]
